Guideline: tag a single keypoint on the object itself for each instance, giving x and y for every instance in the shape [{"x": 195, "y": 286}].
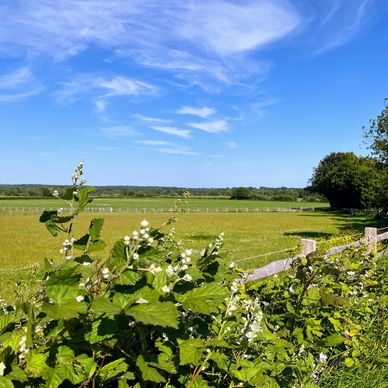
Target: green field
[
  {"x": 25, "y": 242},
  {"x": 160, "y": 202}
]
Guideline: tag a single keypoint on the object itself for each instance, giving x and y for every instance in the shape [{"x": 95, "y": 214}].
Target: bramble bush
[{"x": 155, "y": 313}]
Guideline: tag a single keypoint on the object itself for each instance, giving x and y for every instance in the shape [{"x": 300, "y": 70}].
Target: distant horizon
[{"x": 201, "y": 94}]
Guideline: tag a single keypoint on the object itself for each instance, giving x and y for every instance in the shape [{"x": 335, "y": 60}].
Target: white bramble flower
[
  {"x": 170, "y": 271},
  {"x": 126, "y": 240},
  {"x": 142, "y": 301},
  {"x": 322, "y": 357},
  {"x": 144, "y": 223},
  {"x": 232, "y": 264},
  {"x": 105, "y": 271},
  {"x": 150, "y": 240},
  {"x": 79, "y": 298},
  {"x": 187, "y": 278},
  {"x": 351, "y": 273},
  {"x": 188, "y": 252},
  {"x": 165, "y": 289},
  {"x": 86, "y": 263},
  {"x": 55, "y": 193},
  {"x": 155, "y": 269},
  {"x": 135, "y": 256},
  {"x": 184, "y": 267},
  {"x": 2, "y": 368},
  {"x": 69, "y": 257}
]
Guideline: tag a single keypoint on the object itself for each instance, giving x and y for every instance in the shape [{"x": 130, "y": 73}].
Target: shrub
[{"x": 156, "y": 314}]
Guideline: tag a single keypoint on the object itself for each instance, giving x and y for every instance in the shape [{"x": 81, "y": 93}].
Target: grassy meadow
[
  {"x": 24, "y": 242},
  {"x": 162, "y": 202}
]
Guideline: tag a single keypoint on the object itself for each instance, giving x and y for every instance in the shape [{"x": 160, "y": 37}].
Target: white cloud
[
  {"x": 184, "y": 133},
  {"x": 119, "y": 131},
  {"x": 216, "y": 126},
  {"x": 102, "y": 88},
  {"x": 154, "y": 142},
  {"x": 201, "y": 112},
  {"x": 122, "y": 86},
  {"x": 216, "y": 35},
  {"x": 341, "y": 23},
  {"x": 177, "y": 151},
  {"x": 18, "y": 85},
  {"x": 150, "y": 119}
]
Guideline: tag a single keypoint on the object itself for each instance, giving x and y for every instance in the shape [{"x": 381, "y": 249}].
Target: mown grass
[
  {"x": 24, "y": 242},
  {"x": 161, "y": 202}
]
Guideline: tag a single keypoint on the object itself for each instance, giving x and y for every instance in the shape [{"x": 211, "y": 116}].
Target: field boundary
[
  {"x": 33, "y": 210},
  {"x": 370, "y": 240}
]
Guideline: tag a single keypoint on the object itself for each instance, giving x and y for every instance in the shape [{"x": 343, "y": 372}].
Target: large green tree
[
  {"x": 377, "y": 134},
  {"x": 349, "y": 181}
]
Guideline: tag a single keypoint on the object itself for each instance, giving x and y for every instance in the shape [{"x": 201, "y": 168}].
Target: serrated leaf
[
  {"x": 5, "y": 382},
  {"x": 36, "y": 363},
  {"x": 96, "y": 246},
  {"x": 117, "y": 256},
  {"x": 83, "y": 197},
  {"x": 102, "y": 329},
  {"x": 200, "y": 382},
  {"x": 88, "y": 364},
  {"x": 204, "y": 299},
  {"x": 102, "y": 305},
  {"x": 82, "y": 242},
  {"x": 157, "y": 313},
  {"x": 5, "y": 320},
  {"x": 334, "y": 340},
  {"x": 113, "y": 369},
  {"x": 47, "y": 215},
  {"x": 52, "y": 228},
  {"x": 334, "y": 300},
  {"x": 53, "y": 378},
  {"x": 61, "y": 294},
  {"x": 64, "y": 311},
  {"x": 128, "y": 278},
  {"x": 95, "y": 228},
  {"x": 190, "y": 351},
  {"x": 148, "y": 373}
]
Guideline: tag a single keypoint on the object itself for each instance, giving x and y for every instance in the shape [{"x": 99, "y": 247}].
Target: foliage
[
  {"x": 241, "y": 193},
  {"x": 377, "y": 134},
  {"x": 152, "y": 314},
  {"x": 349, "y": 181}
]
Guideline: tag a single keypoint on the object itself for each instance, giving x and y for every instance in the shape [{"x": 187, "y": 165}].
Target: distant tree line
[{"x": 262, "y": 193}]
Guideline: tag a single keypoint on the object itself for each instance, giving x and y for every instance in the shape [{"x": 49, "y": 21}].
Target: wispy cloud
[
  {"x": 18, "y": 85},
  {"x": 148, "y": 119},
  {"x": 177, "y": 151},
  {"x": 119, "y": 131},
  {"x": 216, "y": 126},
  {"x": 154, "y": 142},
  {"x": 184, "y": 133},
  {"x": 194, "y": 111},
  {"x": 342, "y": 21},
  {"x": 216, "y": 35},
  {"x": 101, "y": 89}
]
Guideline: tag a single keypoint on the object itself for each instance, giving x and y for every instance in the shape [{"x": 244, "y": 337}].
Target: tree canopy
[{"x": 349, "y": 181}]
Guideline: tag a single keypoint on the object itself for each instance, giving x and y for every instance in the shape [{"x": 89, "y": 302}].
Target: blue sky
[{"x": 194, "y": 93}]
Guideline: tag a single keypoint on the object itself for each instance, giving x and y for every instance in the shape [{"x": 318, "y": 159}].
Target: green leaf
[
  {"x": 148, "y": 373},
  {"x": 47, "y": 215},
  {"x": 52, "y": 228},
  {"x": 102, "y": 329},
  {"x": 157, "y": 313},
  {"x": 204, "y": 299},
  {"x": 5, "y": 382},
  {"x": 191, "y": 351},
  {"x": 53, "y": 378},
  {"x": 95, "y": 228},
  {"x": 128, "y": 278},
  {"x": 102, "y": 305},
  {"x": 89, "y": 366},
  {"x": 68, "y": 195},
  {"x": 5, "y": 320},
  {"x": 64, "y": 311},
  {"x": 349, "y": 362},
  {"x": 113, "y": 369},
  {"x": 334, "y": 340},
  {"x": 36, "y": 363},
  {"x": 97, "y": 245},
  {"x": 334, "y": 300},
  {"x": 61, "y": 294},
  {"x": 82, "y": 242},
  {"x": 83, "y": 197},
  {"x": 199, "y": 382},
  {"x": 117, "y": 257}
]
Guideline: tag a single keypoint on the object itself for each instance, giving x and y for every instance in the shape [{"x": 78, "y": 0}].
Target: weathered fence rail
[
  {"x": 34, "y": 210},
  {"x": 370, "y": 240}
]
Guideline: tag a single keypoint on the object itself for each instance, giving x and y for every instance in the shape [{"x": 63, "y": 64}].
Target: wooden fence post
[
  {"x": 371, "y": 239},
  {"x": 308, "y": 246}
]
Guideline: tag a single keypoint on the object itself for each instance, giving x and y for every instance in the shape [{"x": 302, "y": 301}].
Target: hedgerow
[{"x": 154, "y": 313}]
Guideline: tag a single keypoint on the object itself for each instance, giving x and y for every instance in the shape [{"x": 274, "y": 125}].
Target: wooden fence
[
  {"x": 370, "y": 240},
  {"x": 34, "y": 210}
]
